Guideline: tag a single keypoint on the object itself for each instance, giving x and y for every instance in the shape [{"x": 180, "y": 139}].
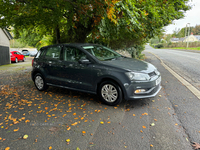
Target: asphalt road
[
  {"x": 169, "y": 121},
  {"x": 185, "y": 63}
]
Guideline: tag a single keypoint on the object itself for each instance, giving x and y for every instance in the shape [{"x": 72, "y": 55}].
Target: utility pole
[{"x": 187, "y": 25}]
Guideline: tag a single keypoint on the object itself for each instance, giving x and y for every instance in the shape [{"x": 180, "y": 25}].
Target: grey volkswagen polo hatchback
[{"x": 95, "y": 69}]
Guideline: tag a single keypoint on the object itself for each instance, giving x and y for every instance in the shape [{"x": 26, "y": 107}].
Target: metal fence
[{"x": 4, "y": 55}]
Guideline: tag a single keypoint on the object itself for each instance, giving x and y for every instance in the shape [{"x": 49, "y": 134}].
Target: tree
[
  {"x": 123, "y": 23},
  {"x": 196, "y": 30}
]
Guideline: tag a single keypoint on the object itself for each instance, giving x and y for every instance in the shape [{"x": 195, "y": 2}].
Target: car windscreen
[{"x": 101, "y": 52}]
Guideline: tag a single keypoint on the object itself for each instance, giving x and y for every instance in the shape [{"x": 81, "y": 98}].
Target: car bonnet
[{"x": 131, "y": 64}]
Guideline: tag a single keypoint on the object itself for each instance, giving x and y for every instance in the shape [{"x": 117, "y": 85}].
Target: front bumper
[{"x": 151, "y": 89}]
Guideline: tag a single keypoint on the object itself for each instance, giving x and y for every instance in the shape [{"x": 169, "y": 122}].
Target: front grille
[{"x": 151, "y": 74}]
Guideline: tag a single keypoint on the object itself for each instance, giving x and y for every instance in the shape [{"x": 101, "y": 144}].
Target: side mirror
[{"x": 84, "y": 61}]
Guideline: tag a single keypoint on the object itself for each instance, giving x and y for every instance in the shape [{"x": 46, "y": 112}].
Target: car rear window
[{"x": 53, "y": 52}]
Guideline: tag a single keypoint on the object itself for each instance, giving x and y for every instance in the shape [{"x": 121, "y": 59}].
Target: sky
[{"x": 192, "y": 16}]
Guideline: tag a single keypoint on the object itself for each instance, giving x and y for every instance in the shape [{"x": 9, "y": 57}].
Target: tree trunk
[
  {"x": 57, "y": 35},
  {"x": 78, "y": 33}
]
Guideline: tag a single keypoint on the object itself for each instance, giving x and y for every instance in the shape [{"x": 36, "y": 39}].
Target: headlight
[
  {"x": 138, "y": 76},
  {"x": 157, "y": 72}
]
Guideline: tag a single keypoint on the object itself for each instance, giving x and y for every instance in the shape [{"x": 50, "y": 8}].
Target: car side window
[
  {"x": 73, "y": 54},
  {"x": 53, "y": 52}
]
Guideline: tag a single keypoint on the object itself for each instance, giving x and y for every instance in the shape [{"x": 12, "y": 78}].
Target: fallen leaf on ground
[
  {"x": 53, "y": 129},
  {"x": 75, "y": 123},
  {"x": 68, "y": 140},
  {"x": 83, "y": 132},
  {"x": 50, "y": 147},
  {"x": 144, "y": 127},
  {"x": 145, "y": 114},
  {"x": 196, "y": 145},
  {"x": 25, "y": 136},
  {"x": 7, "y": 148},
  {"x": 101, "y": 122},
  {"x": 15, "y": 130},
  {"x": 27, "y": 121}
]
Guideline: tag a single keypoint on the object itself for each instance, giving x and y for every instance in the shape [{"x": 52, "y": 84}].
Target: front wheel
[
  {"x": 40, "y": 82},
  {"x": 110, "y": 93}
]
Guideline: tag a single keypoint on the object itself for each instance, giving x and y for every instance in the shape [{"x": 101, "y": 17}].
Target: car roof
[
  {"x": 14, "y": 51},
  {"x": 72, "y": 44}
]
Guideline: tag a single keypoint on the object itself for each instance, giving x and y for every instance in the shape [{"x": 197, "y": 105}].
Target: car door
[
  {"x": 74, "y": 74},
  {"x": 20, "y": 56},
  {"x": 17, "y": 55},
  {"x": 51, "y": 64}
]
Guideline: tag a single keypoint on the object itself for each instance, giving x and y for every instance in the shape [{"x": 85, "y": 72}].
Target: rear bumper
[{"x": 12, "y": 58}]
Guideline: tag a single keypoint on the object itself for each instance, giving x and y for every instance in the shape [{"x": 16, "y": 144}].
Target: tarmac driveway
[{"x": 63, "y": 119}]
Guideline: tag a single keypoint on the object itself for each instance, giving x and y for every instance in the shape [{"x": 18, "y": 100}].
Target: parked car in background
[
  {"x": 95, "y": 69},
  {"x": 33, "y": 53},
  {"x": 16, "y": 56},
  {"x": 25, "y": 52}
]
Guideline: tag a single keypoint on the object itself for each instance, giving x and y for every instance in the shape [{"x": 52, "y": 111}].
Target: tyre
[
  {"x": 110, "y": 93},
  {"x": 16, "y": 60},
  {"x": 40, "y": 83}
]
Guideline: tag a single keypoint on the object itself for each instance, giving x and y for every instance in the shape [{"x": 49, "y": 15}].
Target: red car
[{"x": 16, "y": 56}]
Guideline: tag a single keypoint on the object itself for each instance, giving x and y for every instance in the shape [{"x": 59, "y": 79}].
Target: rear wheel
[
  {"x": 40, "y": 82},
  {"x": 110, "y": 93},
  {"x": 16, "y": 60}
]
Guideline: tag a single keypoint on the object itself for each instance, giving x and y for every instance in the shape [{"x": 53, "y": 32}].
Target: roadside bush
[
  {"x": 181, "y": 44},
  {"x": 159, "y": 45}
]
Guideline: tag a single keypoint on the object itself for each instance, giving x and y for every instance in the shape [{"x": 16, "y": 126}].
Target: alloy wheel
[
  {"x": 109, "y": 93},
  {"x": 39, "y": 82}
]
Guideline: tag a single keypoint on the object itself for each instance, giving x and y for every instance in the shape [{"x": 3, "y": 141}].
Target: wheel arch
[
  {"x": 116, "y": 81},
  {"x": 35, "y": 72}
]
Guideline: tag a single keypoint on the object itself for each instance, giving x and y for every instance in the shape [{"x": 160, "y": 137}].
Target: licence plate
[{"x": 158, "y": 80}]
